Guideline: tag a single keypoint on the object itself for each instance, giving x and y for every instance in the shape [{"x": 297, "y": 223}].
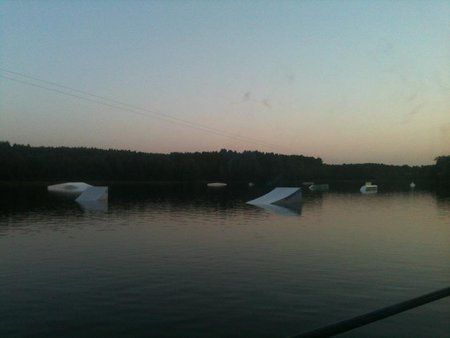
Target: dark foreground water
[{"x": 168, "y": 261}]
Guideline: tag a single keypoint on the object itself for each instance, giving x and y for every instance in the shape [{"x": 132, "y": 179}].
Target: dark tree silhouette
[{"x": 26, "y": 163}]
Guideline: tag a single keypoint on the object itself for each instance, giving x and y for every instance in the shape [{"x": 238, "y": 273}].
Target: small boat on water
[
  {"x": 216, "y": 185},
  {"x": 369, "y": 188}
]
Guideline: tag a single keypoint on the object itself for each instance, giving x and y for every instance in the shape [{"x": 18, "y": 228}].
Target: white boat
[
  {"x": 216, "y": 185},
  {"x": 71, "y": 189},
  {"x": 369, "y": 188}
]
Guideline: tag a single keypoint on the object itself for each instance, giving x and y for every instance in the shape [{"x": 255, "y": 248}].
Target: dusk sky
[{"x": 347, "y": 81}]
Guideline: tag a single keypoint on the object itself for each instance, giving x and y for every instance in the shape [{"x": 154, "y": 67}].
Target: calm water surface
[{"x": 190, "y": 262}]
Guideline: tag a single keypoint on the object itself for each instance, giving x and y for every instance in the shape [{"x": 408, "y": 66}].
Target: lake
[{"x": 187, "y": 261}]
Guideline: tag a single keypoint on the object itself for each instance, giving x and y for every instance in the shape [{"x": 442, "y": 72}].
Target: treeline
[
  {"x": 374, "y": 171},
  {"x": 442, "y": 168},
  {"x": 26, "y": 163}
]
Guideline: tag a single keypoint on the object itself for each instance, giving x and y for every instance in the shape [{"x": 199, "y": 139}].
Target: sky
[{"x": 346, "y": 81}]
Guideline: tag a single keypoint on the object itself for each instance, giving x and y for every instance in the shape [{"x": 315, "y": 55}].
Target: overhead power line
[{"x": 106, "y": 101}]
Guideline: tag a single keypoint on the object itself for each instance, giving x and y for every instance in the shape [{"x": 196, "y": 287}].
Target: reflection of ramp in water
[
  {"x": 280, "y": 200},
  {"x": 99, "y": 205},
  {"x": 94, "y": 199},
  {"x": 282, "y": 211}
]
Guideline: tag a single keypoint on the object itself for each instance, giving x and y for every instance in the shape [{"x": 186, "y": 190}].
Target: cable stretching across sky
[{"x": 102, "y": 100}]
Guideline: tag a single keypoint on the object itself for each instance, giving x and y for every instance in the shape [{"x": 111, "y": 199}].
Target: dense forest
[{"x": 26, "y": 163}]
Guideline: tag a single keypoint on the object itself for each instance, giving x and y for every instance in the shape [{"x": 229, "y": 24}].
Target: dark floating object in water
[{"x": 319, "y": 187}]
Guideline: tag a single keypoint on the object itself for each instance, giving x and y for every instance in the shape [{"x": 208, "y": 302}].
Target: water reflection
[
  {"x": 281, "y": 210},
  {"x": 98, "y": 206},
  {"x": 174, "y": 261},
  {"x": 23, "y": 198}
]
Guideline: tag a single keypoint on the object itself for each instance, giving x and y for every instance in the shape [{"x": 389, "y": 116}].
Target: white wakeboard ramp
[
  {"x": 79, "y": 190},
  {"x": 93, "y": 194},
  {"x": 279, "y": 196}
]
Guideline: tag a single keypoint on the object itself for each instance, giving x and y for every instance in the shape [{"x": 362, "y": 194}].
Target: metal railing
[{"x": 370, "y": 317}]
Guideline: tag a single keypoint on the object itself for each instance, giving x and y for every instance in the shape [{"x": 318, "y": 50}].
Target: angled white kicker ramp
[
  {"x": 279, "y": 196},
  {"x": 93, "y": 194}
]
